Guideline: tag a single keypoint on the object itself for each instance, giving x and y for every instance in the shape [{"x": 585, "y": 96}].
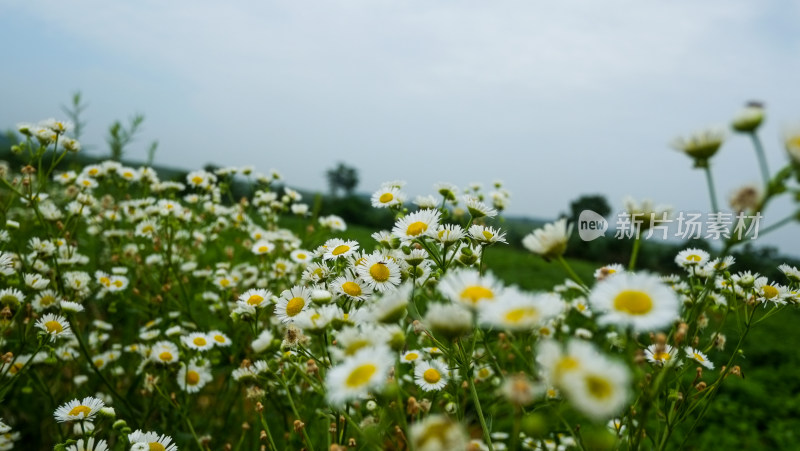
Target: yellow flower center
[
  {"x": 165, "y": 356},
  {"x": 197, "y": 180},
  {"x": 411, "y": 356},
  {"x": 386, "y": 197},
  {"x": 416, "y": 228},
  {"x": 294, "y": 306},
  {"x": 598, "y": 387},
  {"x": 693, "y": 258},
  {"x": 54, "y": 327},
  {"x": 487, "y": 234},
  {"x": 379, "y": 272},
  {"x": 99, "y": 363},
  {"x": 431, "y": 376},
  {"x": 769, "y": 291},
  {"x": 518, "y": 315},
  {"x": 155, "y": 446},
  {"x": 263, "y": 248},
  {"x": 566, "y": 364},
  {"x": 661, "y": 356},
  {"x": 224, "y": 282},
  {"x": 301, "y": 256},
  {"x": 340, "y": 249},
  {"x": 199, "y": 341},
  {"x": 361, "y": 375},
  {"x": 476, "y": 293},
  {"x": 219, "y": 338},
  {"x": 192, "y": 377},
  {"x": 483, "y": 373},
  {"x": 351, "y": 288},
  {"x": 699, "y": 358},
  {"x": 147, "y": 229},
  {"x": 633, "y": 302},
  {"x": 255, "y": 300},
  {"x": 77, "y": 410}
]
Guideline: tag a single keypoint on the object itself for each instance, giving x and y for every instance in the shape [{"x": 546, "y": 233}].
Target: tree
[
  {"x": 342, "y": 177},
  {"x": 595, "y": 202}
]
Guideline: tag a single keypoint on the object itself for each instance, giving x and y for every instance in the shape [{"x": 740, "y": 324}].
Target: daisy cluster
[{"x": 149, "y": 313}]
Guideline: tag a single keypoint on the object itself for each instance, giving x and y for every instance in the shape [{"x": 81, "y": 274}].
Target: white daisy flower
[
  {"x": 55, "y": 326},
  {"x": 640, "y": 301},
  {"x": 46, "y": 299},
  {"x": 692, "y": 257},
  {"x": 379, "y": 272},
  {"x": 769, "y": 292},
  {"x": 194, "y": 376},
  {"x": 556, "y": 362},
  {"x": 448, "y": 320},
  {"x": 256, "y": 297},
  {"x": 430, "y": 375},
  {"x": 517, "y": 310},
  {"x": 337, "y": 248},
  {"x": 88, "y": 444},
  {"x": 262, "y": 247},
  {"x": 449, "y": 233},
  {"x": 437, "y": 432},
  {"x": 292, "y": 302},
  {"x": 351, "y": 287},
  {"x": 416, "y": 225},
  {"x": 699, "y": 357},
  {"x": 700, "y": 145},
  {"x": 600, "y": 389},
  {"x": 387, "y": 196},
  {"x": 410, "y": 356},
  {"x": 550, "y": 241},
  {"x": 468, "y": 287},
  {"x": 164, "y": 352},
  {"x": 152, "y": 440},
  {"x": 220, "y": 339},
  {"x": 663, "y": 356},
  {"x": 487, "y": 235},
  {"x": 355, "y": 377},
  {"x": 78, "y": 410},
  {"x": 301, "y": 256},
  {"x": 791, "y": 273},
  {"x": 198, "y": 341},
  {"x": 478, "y": 209}
]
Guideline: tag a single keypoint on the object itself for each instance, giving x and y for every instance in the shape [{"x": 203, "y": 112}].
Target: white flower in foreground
[
  {"x": 550, "y": 241},
  {"x": 355, "y": 377},
  {"x": 379, "y": 272},
  {"x": 437, "y": 432},
  {"x": 55, "y": 326},
  {"x": 640, "y": 301},
  {"x": 468, "y": 287},
  {"x": 518, "y": 310},
  {"x": 152, "y": 440},
  {"x": 557, "y": 362},
  {"x": 416, "y": 225},
  {"x": 88, "y": 445},
  {"x": 430, "y": 375},
  {"x": 600, "y": 389},
  {"x": 292, "y": 302},
  {"x": 387, "y": 196},
  {"x": 76, "y": 410}
]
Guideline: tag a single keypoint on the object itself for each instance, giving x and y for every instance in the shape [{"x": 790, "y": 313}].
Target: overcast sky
[{"x": 557, "y": 99}]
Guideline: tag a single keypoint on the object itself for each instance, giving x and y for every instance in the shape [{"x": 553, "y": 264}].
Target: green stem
[
  {"x": 762, "y": 158},
  {"x": 711, "y": 190},
  {"x": 572, "y": 274},
  {"x": 779, "y": 224},
  {"x": 637, "y": 244}
]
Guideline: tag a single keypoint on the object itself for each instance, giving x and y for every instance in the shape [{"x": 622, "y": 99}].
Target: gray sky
[{"x": 555, "y": 98}]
